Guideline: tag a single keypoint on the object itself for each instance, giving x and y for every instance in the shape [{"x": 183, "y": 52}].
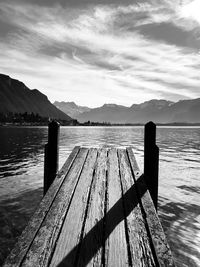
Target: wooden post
[
  {"x": 151, "y": 161},
  {"x": 51, "y": 155}
]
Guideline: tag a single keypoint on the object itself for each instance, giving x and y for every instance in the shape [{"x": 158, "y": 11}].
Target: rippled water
[{"x": 21, "y": 173}]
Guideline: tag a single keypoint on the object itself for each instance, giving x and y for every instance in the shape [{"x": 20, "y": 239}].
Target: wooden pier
[{"x": 97, "y": 212}]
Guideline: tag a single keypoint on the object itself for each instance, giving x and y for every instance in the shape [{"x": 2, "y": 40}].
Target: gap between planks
[
  {"x": 24, "y": 242},
  {"x": 101, "y": 204}
]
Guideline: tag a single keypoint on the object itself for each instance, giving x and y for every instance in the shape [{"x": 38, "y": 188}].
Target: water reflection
[
  {"x": 100, "y": 136},
  {"x": 21, "y": 177},
  {"x": 182, "y": 227},
  {"x": 21, "y": 149},
  {"x": 14, "y": 215}
]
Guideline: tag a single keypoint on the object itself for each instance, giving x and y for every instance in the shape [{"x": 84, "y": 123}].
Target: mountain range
[
  {"x": 159, "y": 111},
  {"x": 16, "y": 97}
]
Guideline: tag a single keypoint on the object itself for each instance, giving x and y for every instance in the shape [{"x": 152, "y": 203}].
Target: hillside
[
  {"x": 107, "y": 113},
  {"x": 16, "y": 97},
  {"x": 159, "y": 111},
  {"x": 71, "y": 108}
]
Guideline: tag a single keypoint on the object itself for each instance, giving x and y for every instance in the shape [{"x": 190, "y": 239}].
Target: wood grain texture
[
  {"x": 67, "y": 245},
  {"x": 19, "y": 251},
  {"x": 98, "y": 212},
  {"x": 161, "y": 246},
  {"x": 91, "y": 249},
  {"x": 116, "y": 253},
  {"x": 43, "y": 244},
  {"x": 140, "y": 253}
]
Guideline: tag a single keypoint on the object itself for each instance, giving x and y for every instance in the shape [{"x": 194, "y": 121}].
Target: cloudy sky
[{"x": 103, "y": 51}]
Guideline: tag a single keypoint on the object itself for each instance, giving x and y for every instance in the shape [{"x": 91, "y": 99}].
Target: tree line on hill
[
  {"x": 11, "y": 117},
  {"x": 35, "y": 118},
  {"x": 29, "y": 118}
]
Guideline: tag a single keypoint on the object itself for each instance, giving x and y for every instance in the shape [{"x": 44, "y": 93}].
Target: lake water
[{"x": 21, "y": 178}]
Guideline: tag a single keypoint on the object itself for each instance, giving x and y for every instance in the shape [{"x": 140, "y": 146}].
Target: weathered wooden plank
[
  {"x": 91, "y": 249},
  {"x": 161, "y": 246},
  {"x": 68, "y": 242},
  {"x": 18, "y": 253},
  {"x": 94, "y": 214},
  {"x": 116, "y": 253},
  {"x": 44, "y": 242},
  {"x": 140, "y": 253}
]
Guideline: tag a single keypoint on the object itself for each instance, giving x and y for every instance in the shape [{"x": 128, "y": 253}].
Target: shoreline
[{"x": 98, "y": 124}]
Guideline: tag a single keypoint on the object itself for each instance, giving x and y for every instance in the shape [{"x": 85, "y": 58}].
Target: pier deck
[{"x": 97, "y": 212}]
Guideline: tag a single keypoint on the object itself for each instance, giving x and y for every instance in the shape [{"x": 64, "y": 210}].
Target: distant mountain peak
[
  {"x": 112, "y": 105},
  {"x": 109, "y": 105},
  {"x": 71, "y": 108},
  {"x": 159, "y": 103}
]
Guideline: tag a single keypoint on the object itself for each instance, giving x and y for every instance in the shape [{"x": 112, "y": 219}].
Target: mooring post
[
  {"x": 151, "y": 161},
  {"x": 51, "y": 155}
]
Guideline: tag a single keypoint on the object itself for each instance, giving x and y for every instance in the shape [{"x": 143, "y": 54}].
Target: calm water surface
[{"x": 21, "y": 176}]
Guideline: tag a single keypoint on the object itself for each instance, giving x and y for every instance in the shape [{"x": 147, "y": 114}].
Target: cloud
[
  {"x": 103, "y": 53},
  {"x": 74, "y": 3}
]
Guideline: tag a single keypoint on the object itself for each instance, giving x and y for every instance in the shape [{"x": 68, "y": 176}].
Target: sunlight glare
[{"x": 192, "y": 10}]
